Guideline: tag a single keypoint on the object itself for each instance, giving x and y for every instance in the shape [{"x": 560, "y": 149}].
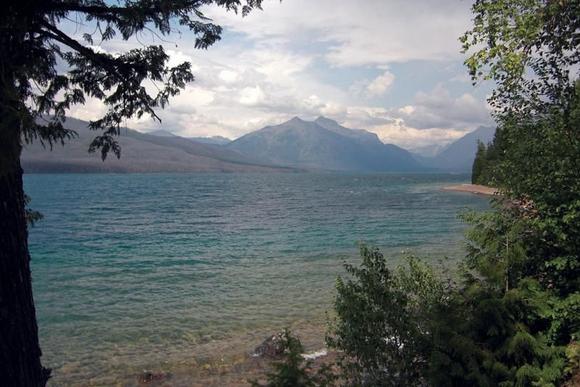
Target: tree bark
[
  {"x": 20, "y": 353},
  {"x": 19, "y": 347}
]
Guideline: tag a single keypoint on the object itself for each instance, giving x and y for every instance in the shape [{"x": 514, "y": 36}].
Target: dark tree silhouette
[{"x": 43, "y": 72}]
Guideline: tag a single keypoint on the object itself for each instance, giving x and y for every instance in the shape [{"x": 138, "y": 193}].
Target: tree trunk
[{"x": 19, "y": 348}]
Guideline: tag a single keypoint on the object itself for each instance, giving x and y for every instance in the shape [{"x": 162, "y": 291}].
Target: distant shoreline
[{"x": 473, "y": 189}]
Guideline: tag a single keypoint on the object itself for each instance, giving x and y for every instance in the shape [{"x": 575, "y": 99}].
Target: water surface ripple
[{"x": 135, "y": 270}]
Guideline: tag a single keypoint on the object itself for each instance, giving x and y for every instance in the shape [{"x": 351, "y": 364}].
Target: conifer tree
[{"x": 479, "y": 164}]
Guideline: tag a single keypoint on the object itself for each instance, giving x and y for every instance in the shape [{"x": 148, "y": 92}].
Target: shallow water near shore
[{"x": 178, "y": 271}]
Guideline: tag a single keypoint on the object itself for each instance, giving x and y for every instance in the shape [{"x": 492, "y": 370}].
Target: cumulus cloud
[
  {"x": 252, "y": 96},
  {"x": 414, "y": 139},
  {"x": 380, "y": 84},
  {"x": 439, "y": 109}
]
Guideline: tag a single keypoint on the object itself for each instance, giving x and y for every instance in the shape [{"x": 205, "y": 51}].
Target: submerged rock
[
  {"x": 272, "y": 347},
  {"x": 150, "y": 377}
]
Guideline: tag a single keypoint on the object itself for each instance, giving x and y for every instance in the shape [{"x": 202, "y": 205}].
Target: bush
[{"x": 382, "y": 325}]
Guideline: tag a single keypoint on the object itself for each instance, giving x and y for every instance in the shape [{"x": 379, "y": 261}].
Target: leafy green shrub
[
  {"x": 382, "y": 325},
  {"x": 408, "y": 327}
]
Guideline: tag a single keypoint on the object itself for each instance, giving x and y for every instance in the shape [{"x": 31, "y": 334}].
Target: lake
[{"x": 172, "y": 271}]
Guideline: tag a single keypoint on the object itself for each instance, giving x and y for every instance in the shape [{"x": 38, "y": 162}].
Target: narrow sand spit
[{"x": 473, "y": 188}]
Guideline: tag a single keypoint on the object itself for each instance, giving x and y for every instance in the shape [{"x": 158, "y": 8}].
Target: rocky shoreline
[{"x": 237, "y": 372}]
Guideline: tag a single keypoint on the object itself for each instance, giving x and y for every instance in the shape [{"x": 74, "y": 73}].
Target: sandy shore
[{"x": 472, "y": 188}]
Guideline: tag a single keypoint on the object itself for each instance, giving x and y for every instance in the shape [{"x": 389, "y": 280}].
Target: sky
[{"x": 388, "y": 66}]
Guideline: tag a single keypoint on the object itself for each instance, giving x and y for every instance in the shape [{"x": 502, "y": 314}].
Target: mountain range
[
  {"x": 140, "y": 153},
  {"x": 294, "y": 145}
]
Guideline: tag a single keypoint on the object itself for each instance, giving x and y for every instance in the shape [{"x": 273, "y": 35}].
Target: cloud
[
  {"x": 252, "y": 96},
  {"x": 229, "y": 76},
  {"x": 370, "y": 32},
  {"x": 393, "y": 130},
  {"x": 380, "y": 84},
  {"x": 412, "y": 138},
  {"x": 434, "y": 117},
  {"x": 438, "y": 109}
]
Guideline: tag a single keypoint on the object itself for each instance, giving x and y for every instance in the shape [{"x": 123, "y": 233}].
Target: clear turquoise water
[{"x": 133, "y": 271}]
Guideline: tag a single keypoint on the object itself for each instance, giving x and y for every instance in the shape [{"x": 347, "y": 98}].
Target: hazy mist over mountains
[
  {"x": 215, "y": 140},
  {"x": 295, "y": 145},
  {"x": 140, "y": 153}
]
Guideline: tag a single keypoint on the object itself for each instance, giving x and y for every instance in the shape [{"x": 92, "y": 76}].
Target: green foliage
[
  {"x": 479, "y": 165},
  {"x": 510, "y": 325},
  {"x": 538, "y": 172},
  {"x": 496, "y": 247},
  {"x": 409, "y": 327},
  {"x": 484, "y": 170},
  {"x": 529, "y": 48},
  {"x": 510, "y": 291},
  {"x": 382, "y": 325},
  {"x": 294, "y": 371}
]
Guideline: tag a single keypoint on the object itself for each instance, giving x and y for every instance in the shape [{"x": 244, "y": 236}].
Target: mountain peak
[
  {"x": 359, "y": 134},
  {"x": 322, "y": 119},
  {"x": 296, "y": 119}
]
